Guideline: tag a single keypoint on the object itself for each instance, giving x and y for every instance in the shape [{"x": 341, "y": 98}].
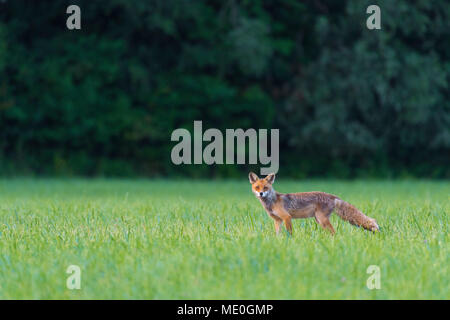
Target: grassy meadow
[{"x": 157, "y": 239}]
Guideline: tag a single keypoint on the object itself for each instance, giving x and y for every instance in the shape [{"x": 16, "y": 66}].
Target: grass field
[{"x": 212, "y": 240}]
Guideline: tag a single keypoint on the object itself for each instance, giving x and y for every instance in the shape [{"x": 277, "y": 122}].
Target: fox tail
[{"x": 349, "y": 213}]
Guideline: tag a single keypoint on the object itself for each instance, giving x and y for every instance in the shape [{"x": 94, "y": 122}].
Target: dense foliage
[{"x": 104, "y": 100}]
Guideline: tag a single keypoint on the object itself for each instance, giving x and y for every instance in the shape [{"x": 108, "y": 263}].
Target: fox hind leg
[{"x": 323, "y": 218}]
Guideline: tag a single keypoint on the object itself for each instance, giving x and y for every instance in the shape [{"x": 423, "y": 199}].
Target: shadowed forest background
[{"x": 104, "y": 100}]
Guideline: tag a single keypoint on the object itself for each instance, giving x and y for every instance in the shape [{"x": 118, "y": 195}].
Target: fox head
[{"x": 262, "y": 187}]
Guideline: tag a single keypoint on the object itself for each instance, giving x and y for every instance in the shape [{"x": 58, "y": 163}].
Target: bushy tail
[{"x": 349, "y": 213}]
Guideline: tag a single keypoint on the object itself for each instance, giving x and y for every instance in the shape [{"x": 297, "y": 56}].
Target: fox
[{"x": 283, "y": 207}]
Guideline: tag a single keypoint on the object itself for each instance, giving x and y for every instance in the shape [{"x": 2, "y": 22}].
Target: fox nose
[{"x": 260, "y": 194}]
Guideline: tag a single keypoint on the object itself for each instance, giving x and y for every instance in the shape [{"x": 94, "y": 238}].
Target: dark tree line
[{"x": 104, "y": 100}]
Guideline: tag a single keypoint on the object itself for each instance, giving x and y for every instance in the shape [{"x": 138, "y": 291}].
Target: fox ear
[
  {"x": 252, "y": 177},
  {"x": 270, "y": 178}
]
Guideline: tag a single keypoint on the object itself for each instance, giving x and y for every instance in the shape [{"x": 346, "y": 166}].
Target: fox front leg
[
  {"x": 288, "y": 225},
  {"x": 277, "y": 223},
  {"x": 285, "y": 217}
]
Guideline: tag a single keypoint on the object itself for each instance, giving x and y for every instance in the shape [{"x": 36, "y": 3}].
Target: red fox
[{"x": 284, "y": 207}]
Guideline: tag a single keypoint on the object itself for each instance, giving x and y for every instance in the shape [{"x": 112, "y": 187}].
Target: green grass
[{"x": 212, "y": 240}]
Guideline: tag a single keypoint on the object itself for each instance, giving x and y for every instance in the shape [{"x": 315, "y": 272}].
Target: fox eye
[{"x": 265, "y": 188}]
